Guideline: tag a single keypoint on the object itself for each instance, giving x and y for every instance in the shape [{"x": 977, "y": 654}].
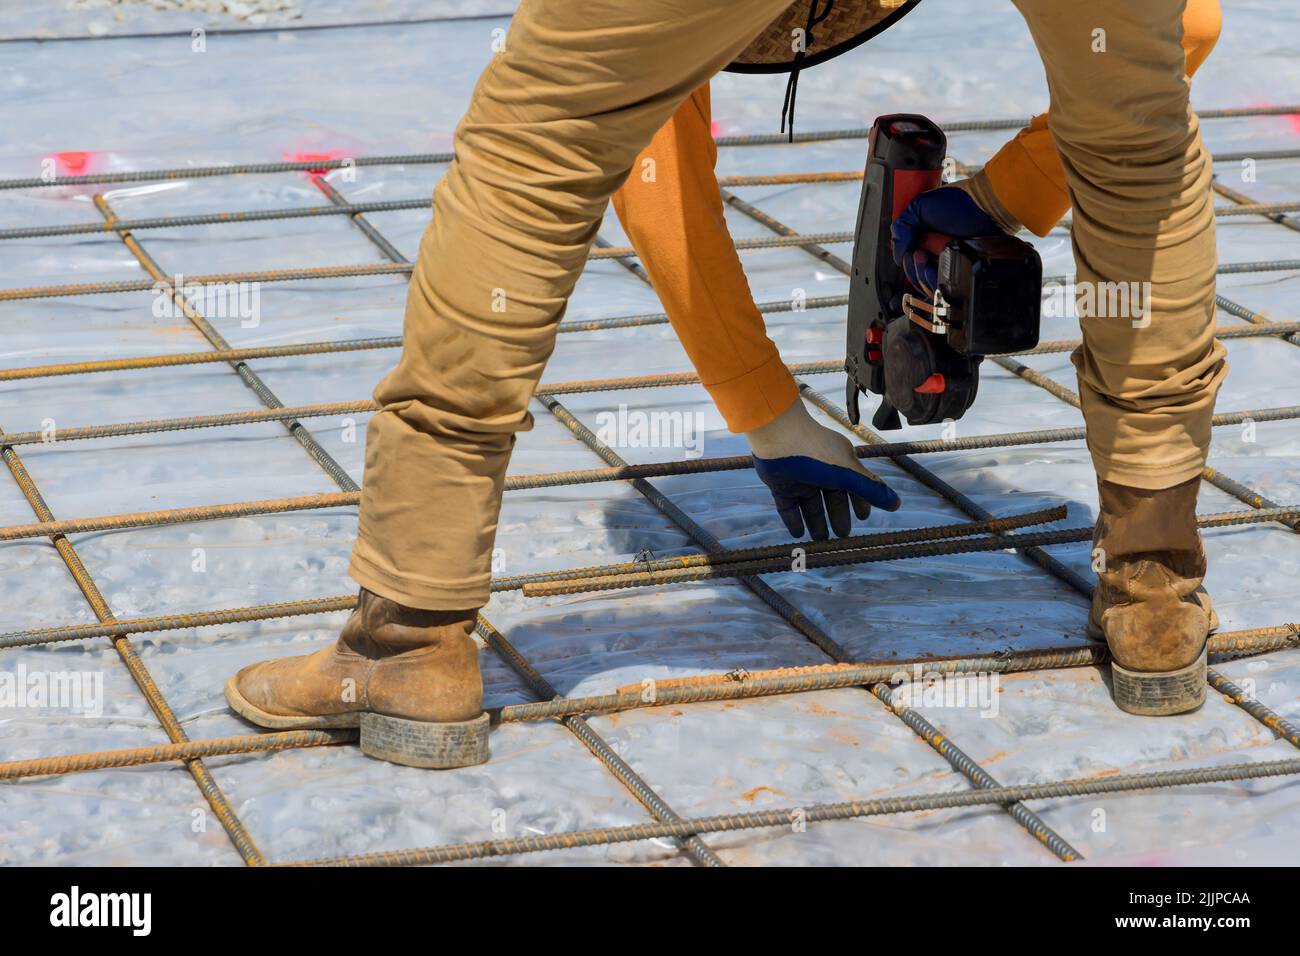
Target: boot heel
[
  {"x": 416, "y": 743},
  {"x": 1155, "y": 694}
]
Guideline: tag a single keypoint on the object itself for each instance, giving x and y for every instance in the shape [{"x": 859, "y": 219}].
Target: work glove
[
  {"x": 814, "y": 475},
  {"x": 949, "y": 211}
]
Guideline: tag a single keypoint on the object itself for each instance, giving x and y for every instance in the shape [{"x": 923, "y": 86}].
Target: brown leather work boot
[
  {"x": 1150, "y": 563},
  {"x": 408, "y": 678}
]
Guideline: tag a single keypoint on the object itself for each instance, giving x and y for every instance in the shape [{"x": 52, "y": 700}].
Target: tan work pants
[
  {"x": 551, "y": 132},
  {"x": 1138, "y": 177}
]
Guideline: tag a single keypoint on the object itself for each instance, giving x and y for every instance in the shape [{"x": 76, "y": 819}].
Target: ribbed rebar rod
[
  {"x": 247, "y": 29},
  {"x": 1211, "y": 475},
  {"x": 233, "y": 169},
  {"x": 1258, "y": 320},
  {"x": 165, "y": 753},
  {"x": 979, "y": 126},
  {"x": 210, "y": 219},
  {"x": 796, "y": 618},
  {"x": 202, "y": 358},
  {"x": 214, "y": 279},
  {"x": 650, "y": 693},
  {"x": 1247, "y": 208},
  {"x": 425, "y": 159},
  {"x": 175, "y": 622},
  {"x": 593, "y": 475},
  {"x": 1260, "y": 327},
  {"x": 661, "y": 318},
  {"x": 728, "y": 556},
  {"x": 394, "y": 269},
  {"x": 208, "y": 787},
  {"x": 646, "y": 795},
  {"x": 820, "y": 813},
  {"x": 696, "y": 689},
  {"x": 1264, "y": 714},
  {"x": 171, "y": 516},
  {"x": 615, "y": 577},
  {"x": 281, "y": 413},
  {"x": 701, "y": 688},
  {"x": 287, "y": 413}
]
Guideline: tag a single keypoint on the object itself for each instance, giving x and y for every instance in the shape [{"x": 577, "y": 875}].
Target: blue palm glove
[
  {"x": 814, "y": 475},
  {"x": 948, "y": 210}
]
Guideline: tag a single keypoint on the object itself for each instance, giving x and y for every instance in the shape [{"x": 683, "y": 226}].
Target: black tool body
[{"x": 920, "y": 353}]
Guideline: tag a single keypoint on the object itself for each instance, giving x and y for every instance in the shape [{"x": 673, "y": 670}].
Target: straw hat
[{"x": 846, "y": 24}]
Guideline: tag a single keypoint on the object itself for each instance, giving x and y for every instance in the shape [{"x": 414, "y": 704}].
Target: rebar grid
[
  {"x": 212, "y": 793},
  {"x": 686, "y": 690},
  {"x": 956, "y": 758},
  {"x": 742, "y": 685}
]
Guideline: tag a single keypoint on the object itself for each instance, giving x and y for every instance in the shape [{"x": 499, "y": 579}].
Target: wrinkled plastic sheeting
[{"x": 133, "y": 103}]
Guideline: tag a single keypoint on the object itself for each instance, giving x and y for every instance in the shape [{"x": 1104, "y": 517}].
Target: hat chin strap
[{"x": 792, "y": 85}]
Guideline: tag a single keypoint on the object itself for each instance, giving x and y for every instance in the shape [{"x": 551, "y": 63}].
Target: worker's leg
[
  {"x": 671, "y": 209},
  {"x": 1138, "y": 178},
  {"x": 1024, "y": 184},
  {"x": 551, "y": 132},
  {"x": 1139, "y": 181}
]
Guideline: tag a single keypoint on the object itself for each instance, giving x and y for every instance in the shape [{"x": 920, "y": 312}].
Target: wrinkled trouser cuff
[{"x": 430, "y": 594}]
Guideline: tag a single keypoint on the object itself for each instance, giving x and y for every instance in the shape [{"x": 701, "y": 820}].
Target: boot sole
[
  {"x": 417, "y": 743},
  {"x": 1160, "y": 693},
  {"x": 240, "y": 705},
  {"x": 411, "y": 743}
]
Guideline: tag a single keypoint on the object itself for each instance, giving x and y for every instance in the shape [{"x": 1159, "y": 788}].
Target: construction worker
[{"x": 554, "y": 126}]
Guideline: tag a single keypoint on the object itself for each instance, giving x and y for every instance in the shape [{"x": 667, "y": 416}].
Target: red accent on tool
[
  {"x": 934, "y": 242},
  {"x": 933, "y": 385},
  {"x": 910, "y": 183}
]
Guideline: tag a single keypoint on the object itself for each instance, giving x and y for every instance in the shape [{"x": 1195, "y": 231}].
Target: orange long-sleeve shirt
[{"x": 671, "y": 209}]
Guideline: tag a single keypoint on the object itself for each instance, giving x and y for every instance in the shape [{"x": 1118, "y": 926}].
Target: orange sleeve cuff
[
  {"x": 755, "y": 398},
  {"x": 1026, "y": 177}
]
